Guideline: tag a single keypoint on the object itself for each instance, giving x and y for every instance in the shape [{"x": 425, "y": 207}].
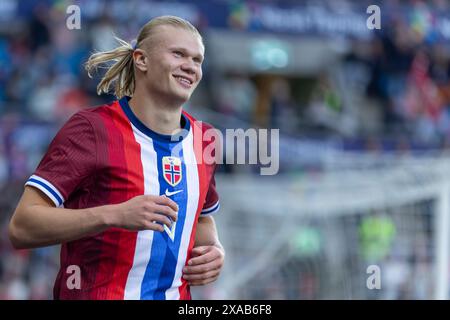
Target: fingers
[
  {"x": 202, "y": 269},
  {"x": 204, "y": 254},
  {"x": 201, "y": 279},
  {"x": 163, "y": 200},
  {"x": 160, "y": 218},
  {"x": 166, "y": 211},
  {"x": 198, "y": 251},
  {"x": 211, "y": 260},
  {"x": 202, "y": 274},
  {"x": 156, "y": 211},
  {"x": 205, "y": 267},
  {"x": 153, "y": 226}
]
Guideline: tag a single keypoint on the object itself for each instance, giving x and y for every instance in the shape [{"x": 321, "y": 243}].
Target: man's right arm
[{"x": 36, "y": 221}]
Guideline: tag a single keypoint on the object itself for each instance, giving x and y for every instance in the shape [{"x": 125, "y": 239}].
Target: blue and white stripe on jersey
[
  {"x": 46, "y": 187},
  {"x": 211, "y": 210},
  {"x": 158, "y": 259}
]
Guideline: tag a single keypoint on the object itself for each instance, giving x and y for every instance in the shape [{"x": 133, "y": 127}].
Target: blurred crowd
[
  {"x": 392, "y": 92},
  {"x": 24, "y": 274}
]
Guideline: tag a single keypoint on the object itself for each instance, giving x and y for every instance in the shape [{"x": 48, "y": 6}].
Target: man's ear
[{"x": 140, "y": 60}]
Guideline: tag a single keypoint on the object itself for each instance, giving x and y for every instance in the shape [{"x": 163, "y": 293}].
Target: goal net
[{"x": 363, "y": 227}]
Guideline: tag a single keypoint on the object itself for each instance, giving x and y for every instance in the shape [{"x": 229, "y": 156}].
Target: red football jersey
[{"x": 105, "y": 155}]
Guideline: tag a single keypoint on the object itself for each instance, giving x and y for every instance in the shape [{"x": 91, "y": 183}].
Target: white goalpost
[{"x": 313, "y": 235}]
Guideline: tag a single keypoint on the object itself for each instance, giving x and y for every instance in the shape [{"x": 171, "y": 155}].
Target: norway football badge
[{"x": 172, "y": 170}]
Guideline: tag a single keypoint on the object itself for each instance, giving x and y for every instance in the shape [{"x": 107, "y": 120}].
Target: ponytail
[{"x": 120, "y": 74}]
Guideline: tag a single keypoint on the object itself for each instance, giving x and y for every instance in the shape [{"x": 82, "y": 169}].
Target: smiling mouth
[{"x": 185, "y": 82}]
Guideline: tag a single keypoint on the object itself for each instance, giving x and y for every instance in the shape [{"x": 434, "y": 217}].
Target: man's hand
[
  {"x": 145, "y": 212},
  {"x": 205, "y": 265}
]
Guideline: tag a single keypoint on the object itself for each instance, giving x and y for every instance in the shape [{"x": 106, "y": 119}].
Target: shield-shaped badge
[{"x": 172, "y": 170}]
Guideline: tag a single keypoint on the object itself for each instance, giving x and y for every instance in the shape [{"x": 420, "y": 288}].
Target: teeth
[{"x": 184, "y": 80}]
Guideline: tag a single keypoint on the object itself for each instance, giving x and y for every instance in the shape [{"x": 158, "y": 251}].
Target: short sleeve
[
  {"x": 70, "y": 158},
  {"x": 212, "y": 204}
]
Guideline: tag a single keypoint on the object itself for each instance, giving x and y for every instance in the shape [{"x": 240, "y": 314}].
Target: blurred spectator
[
  {"x": 283, "y": 108},
  {"x": 236, "y": 96},
  {"x": 42, "y": 83}
]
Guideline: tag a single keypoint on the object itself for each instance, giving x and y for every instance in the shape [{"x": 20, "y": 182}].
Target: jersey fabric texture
[{"x": 106, "y": 155}]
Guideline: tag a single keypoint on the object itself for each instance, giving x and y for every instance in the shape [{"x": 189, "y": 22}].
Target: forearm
[
  {"x": 207, "y": 232},
  {"x": 207, "y": 256},
  {"x": 36, "y": 222},
  {"x": 39, "y": 225}
]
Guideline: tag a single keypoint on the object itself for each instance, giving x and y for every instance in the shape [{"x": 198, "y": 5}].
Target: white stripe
[
  {"x": 215, "y": 207},
  {"x": 48, "y": 184},
  {"x": 144, "y": 239},
  {"x": 192, "y": 204},
  {"x": 205, "y": 214},
  {"x": 40, "y": 187}
]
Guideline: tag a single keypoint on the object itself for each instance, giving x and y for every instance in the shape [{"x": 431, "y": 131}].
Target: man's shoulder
[
  {"x": 96, "y": 110},
  {"x": 95, "y": 113}
]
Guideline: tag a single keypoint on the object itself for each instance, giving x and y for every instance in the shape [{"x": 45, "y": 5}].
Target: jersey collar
[{"x": 184, "y": 123}]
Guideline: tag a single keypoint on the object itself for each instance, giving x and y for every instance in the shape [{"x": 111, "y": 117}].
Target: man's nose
[{"x": 188, "y": 67}]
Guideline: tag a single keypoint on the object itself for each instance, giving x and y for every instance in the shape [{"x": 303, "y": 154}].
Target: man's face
[{"x": 175, "y": 59}]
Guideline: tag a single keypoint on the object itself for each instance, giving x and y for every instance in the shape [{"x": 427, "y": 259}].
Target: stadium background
[{"x": 364, "y": 137}]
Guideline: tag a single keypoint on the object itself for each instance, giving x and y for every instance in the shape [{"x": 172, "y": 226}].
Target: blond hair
[{"x": 121, "y": 73}]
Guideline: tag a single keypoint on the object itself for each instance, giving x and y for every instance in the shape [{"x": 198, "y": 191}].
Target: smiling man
[{"x": 123, "y": 186}]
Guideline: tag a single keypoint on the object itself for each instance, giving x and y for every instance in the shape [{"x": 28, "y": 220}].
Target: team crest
[{"x": 172, "y": 170}]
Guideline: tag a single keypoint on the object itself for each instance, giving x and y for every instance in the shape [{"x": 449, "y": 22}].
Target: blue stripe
[
  {"x": 161, "y": 268},
  {"x": 216, "y": 207},
  {"x": 48, "y": 188}
]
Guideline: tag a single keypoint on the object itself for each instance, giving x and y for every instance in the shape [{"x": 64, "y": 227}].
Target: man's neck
[{"x": 156, "y": 115}]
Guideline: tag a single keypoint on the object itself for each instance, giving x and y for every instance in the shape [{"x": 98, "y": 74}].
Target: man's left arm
[{"x": 208, "y": 255}]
